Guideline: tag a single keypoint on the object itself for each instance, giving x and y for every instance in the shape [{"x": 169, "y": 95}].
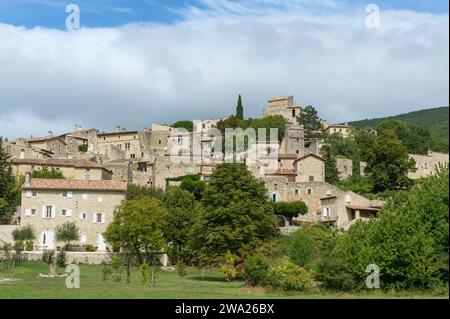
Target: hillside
[{"x": 435, "y": 119}]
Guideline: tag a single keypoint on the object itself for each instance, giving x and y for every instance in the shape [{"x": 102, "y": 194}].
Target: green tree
[
  {"x": 135, "y": 191},
  {"x": 46, "y": 173},
  {"x": 239, "y": 109},
  {"x": 67, "y": 233},
  {"x": 83, "y": 148},
  {"x": 310, "y": 120},
  {"x": 187, "y": 125},
  {"x": 331, "y": 171},
  {"x": 7, "y": 186},
  {"x": 290, "y": 209},
  {"x": 137, "y": 228},
  {"x": 237, "y": 215},
  {"x": 389, "y": 163},
  {"x": 181, "y": 210}
]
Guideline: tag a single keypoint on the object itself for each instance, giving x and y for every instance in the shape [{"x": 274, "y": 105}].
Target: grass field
[{"x": 24, "y": 282}]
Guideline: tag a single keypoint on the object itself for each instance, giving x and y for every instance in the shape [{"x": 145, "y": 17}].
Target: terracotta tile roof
[
  {"x": 310, "y": 154},
  {"x": 77, "y": 163},
  {"x": 65, "y": 184},
  {"x": 285, "y": 172}
]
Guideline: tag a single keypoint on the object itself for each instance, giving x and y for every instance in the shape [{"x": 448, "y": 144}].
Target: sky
[{"x": 137, "y": 62}]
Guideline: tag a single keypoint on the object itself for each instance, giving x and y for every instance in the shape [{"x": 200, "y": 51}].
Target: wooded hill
[{"x": 434, "y": 119}]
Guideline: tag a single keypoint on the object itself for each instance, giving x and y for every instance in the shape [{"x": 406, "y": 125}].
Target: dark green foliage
[
  {"x": 356, "y": 183},
  {"x": 310, "y": 120},
  {"x": 389, "y": 163},
  {"x": 290, "y": 209},
  {"x": 8, "y": 189},
  {"x": 67, "y": 233},
  {"x": 331, "y": 171},
  {"x": 181, "y": 211},
  {"x": 89, "y": 247},
  {"x": 181, "y": 269},
  {"x": 256, "y": 269},
  {"x": 135, "y": 191},
  {"x": 239, "y": 109},
  {"x": 237, "y": 215},
  {"x": 300, "y": 248},
  {"x": 82, "y": 148},
  {"x": 187, "y": 125},
  {"x": 434, "y": 120},
  {"x": 24, "y": 234},
  {"x": 46, "y": 173},
  {"x": 61, "y": 259}
]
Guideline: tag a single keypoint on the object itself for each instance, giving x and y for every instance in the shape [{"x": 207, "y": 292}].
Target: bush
[
  {"x": 256, "y": 269},
  {"x": 229, "y": 268},
  {"x": 61, "y": 259},
  {"x": 144, "y": 271},
  {"x": 106, "y": 272},
  {"x": 181, "y": 269},
  {"x": 23, "y": 234},
  {"x": 89, "y": 248},
  {"x": 29, "y": 246},
  {"x": 116, "y": 265},
  {"x": 300, "y": 248},
  {"x": 286, "y": 275},
  {"x": 334, "y": 274},
  {"x": 82, "y": 148}
]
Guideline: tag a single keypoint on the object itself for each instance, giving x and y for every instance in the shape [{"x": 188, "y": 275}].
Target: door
[
  {"x": 101, "y": 245},
  {"x": 47, "y": 240}
]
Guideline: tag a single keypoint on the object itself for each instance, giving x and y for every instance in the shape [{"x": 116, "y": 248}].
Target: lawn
[{"x": 24, "y": 282}]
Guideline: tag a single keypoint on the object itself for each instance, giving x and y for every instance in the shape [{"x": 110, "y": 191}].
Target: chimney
[
  {"x": 124, "y": 129},
  {"x": 50, "y": 133},
  {"x": 27, "y": 179}
]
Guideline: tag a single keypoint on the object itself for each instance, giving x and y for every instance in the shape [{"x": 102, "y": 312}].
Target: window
[
  {"x": 33, "y": 211},
  {"x": 132, "y": 155},
  {"x": 31, "y": 194},
  {"x": 311, "y": 178},
  {"x": 275, "y": 186},
  {"x": 83, "y": 216},
  {"x": 296, "y": 192},
  {"x": 180, "y": 140},
  {"x": 293, "y": 112},
  {"x": 203, "y": 125},
  {"x": 65, "y": 194},
  {"x": 99, "y": 218},
  {"x": 297, "y": 151},
  {"x": 159, "y": 142},
  {"x": 64, "y": 212},
  {"x": 326, "y": 212},
  {"x": 48, "y": 211},
  {"x": 127, "y": 146},
  {"x": 310, "y": 191}
]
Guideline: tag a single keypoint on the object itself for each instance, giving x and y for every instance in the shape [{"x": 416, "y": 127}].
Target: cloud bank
[{"x": 144, "y": 73}]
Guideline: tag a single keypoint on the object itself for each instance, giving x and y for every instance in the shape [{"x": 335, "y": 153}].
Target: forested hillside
[{"x": 435, "y": 120}]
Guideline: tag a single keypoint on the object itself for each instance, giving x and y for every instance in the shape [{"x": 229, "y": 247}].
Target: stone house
[
  {"x": 54, "y": 144},
  {"x": 341, "y": 128},
  {"x": 426, "y": 164},
  {"x": 18, "y": 149},
  {"x": 283, "y": 106},
  {"x": 47, "y": 203},
  {"x": 127, "y": 141},
  {"x": 70, "y": 168}
]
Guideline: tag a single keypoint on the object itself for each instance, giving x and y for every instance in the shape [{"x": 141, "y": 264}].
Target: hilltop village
[{"x": 99, "y": 166}]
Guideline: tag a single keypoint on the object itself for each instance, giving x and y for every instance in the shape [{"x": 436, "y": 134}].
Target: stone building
[
  {"x": 20, "y": 149},
  {"x": 426, "y": 164},
  {"x": 47, "y": 203},
  {"x": 283, "y": 106},
  {"x": 341, "y": 128},
  {"x": 70, "y": 168},
  {"x": 127, "y": 141},
  {"x": 54, "y": 144}
]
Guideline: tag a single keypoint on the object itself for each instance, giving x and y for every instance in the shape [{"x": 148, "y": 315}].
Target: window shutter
[
  {"x": 29, "y": 194},
  {"x": 103, "y": 218},
  {"x": 94, "y": 218},
  {"x": 80, "y": 215},
  {"x": 53, "y": 211},
  {"x": 69, "y": 213},
  {"x": 27, "y": 212},
  {"x": 324, "y": 213},
  {"x": 43, "y": 211},
  {"x": 69, "y": 194}
]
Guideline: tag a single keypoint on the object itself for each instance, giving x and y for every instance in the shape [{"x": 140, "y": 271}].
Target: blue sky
[
  {"x": 110, "y": 13},
  {"x": 192, "y": 58}
]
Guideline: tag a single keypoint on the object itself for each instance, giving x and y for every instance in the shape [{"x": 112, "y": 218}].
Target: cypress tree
[
  {"x": 239, "y": 109},
  {"x": 7, "y": 184}
]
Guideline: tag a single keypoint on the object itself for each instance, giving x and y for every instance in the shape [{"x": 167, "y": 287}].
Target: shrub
[
  {"x": 116, "y": 265},
  {"x": 106, "y": 271},
  {"x": 89, "y": 248},
  {"x": 256, "y": 269},
  {"x": 82, "y": 148},
  {"x": 29, "y": 246},
  {"x": 24, "y": 233},
  {"x": 181, "y": 269},
  {"x": 144, "y": 271},
  {"x": 288, "y": 276},
  {"x": 228, "y": 268},
  {"x": 300, "y": 248},
  {"x": 334, "y": 274},
  {"x": 61, "y": 259}
]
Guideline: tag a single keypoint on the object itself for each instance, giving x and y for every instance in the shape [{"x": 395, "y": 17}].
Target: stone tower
[{"x": 294, "y": 139}]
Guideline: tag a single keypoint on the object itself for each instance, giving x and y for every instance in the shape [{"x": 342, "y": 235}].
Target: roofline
[
  {"x": 26, "y": 161},
  {"x": 118, "y": 133}
]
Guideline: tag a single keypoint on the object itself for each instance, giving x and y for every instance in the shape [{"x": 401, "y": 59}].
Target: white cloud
[{"x": 139, "y": 74}]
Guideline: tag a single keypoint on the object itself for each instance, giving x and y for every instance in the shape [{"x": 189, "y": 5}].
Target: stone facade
[
  {"x": 426, "y": 164},
  {"x": 283, "y": 106},
  {"x": 70, "y": 168},
  {"x": 342, "y": 129},
  {"x": 128, "y": 141},
  {"x": 310, "y": 168},
  {"x": 89, "y": 204}
]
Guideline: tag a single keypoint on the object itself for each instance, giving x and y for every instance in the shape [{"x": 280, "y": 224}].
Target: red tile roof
[
  {"x": 66, "y": 184},
  {"x": 77, "y": 163}
]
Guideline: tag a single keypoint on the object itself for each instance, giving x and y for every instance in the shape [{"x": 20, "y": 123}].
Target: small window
[
  {"x": 48, "y": 211},
  {"x": 132, "y": 155},
  {"x": 180, "y": 140},
  {"x": 64, "y": 212},
  {"x": 127, "y": 146},
  {"x": 33, "y": 212},
  {"x": 33, "y": 194},
  {"x": 293, "y": 112},
  {"x": 65, "y": 194},
  {"x": 99, "y": 218},
  {"x": 296, "y": 192},
  {"x": 275, "y": 186},
  {"x": 159, "y": 142},
  {"x": 311, "y": 178},
  {"x": 297, "y": 151},
  {"x": 310, "y": 191},
  {"x": 83, "y": 216}
]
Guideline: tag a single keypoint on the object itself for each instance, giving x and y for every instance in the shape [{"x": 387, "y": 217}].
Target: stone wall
[
  {"x": 426, "y": 164},
  {"x": 6, "y": 233}
]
